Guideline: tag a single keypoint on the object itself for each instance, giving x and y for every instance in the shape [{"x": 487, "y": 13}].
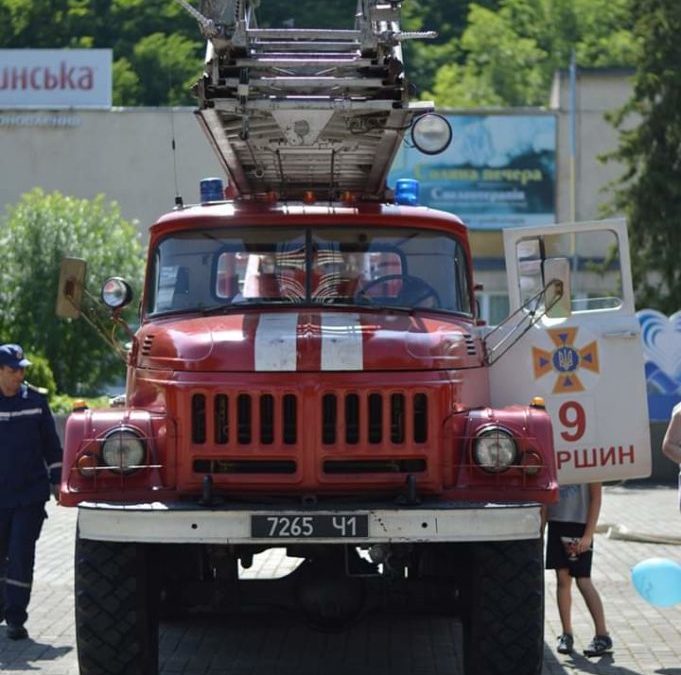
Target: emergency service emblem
[{"x": 572, "y": 358}]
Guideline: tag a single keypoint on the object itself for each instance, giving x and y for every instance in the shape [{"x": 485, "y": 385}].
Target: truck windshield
[{"x": 211, "y": 269}]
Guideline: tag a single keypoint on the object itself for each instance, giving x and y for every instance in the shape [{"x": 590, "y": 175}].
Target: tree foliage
[
  {"x": 649, "y": 192},
  {"x": 39, "y": 231},
  {"x": 157, "y": 46},
  {"x": 507, "y": 56},
  {"x": 307, "y": 14},
  {"x": 425, "y": 57}
]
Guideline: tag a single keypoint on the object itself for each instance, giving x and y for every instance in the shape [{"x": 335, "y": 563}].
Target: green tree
[
  {"x": 448, "y": 19},
  {"x": 649, "y": 192},
  {"x": 167, "y": 67},
  {"x": 509, "y": 56},
  {"x": 307, "y": 14},
  {"x": 501, "y": 66},
  {"x": 156, "y": 44},
  {"x": 39, "y": 231},
  {"x": 40, "y": 375},
  {"x": 127, "y": 85}
]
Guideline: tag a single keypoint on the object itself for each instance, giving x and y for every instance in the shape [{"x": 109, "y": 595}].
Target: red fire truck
[{"x": 310, "y": 373}]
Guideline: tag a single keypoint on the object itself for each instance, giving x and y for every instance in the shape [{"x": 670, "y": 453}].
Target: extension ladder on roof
[{"x": 295, "y": 110}]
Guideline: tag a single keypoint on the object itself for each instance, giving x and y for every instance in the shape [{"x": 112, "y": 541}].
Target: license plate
[{"x": 283, "y": 526}]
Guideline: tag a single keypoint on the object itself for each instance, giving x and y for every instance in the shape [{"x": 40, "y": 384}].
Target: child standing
[{"x": 569, "y": 550}]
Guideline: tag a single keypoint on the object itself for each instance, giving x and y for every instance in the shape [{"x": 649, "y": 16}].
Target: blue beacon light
[
  {"x": 212, "y": 190},
  {"x": 407, "y": 192}
]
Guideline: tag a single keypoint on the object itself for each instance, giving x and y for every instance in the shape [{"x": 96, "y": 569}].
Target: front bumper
[{"x": 178, "y": 523}]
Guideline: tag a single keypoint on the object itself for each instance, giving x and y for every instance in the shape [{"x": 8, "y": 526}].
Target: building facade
[{"x": 143, "y": 157}]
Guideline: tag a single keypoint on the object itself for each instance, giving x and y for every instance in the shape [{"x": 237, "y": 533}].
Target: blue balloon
[{"x": 658, "y": 581}]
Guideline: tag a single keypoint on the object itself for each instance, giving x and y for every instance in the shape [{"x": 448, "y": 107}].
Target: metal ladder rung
[
  {"x": 306, "y": 55},
  {"x": 303, "y": 34},
  {"x": 296, "y": 46},
  {"x": 317, "y": 102},
  {"x": 310, "y": 82},
  {"x": 274, "y": 62}
]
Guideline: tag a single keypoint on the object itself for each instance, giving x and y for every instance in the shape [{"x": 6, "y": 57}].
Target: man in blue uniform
[{"x": 30, "y": 467}]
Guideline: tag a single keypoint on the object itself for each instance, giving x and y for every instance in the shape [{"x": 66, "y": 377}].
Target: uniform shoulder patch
[{"x": 39, "y": 390}]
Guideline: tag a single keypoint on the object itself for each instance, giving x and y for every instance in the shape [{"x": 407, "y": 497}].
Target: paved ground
[{"x": 647, "y": 639}]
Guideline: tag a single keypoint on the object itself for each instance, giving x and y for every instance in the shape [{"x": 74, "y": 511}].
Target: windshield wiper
[
  {"x": 174, "y": 312},
  {"x": 250, "y": 303}
]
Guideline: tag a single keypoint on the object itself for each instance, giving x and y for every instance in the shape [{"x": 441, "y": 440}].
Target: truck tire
[
  {"x": 503, "y": 609},
  {"x": 116, "y": 609}
]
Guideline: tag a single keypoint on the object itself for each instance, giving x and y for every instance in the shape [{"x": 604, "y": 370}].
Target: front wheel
[
  {"x": 503, "y": 609},
  {"x": 116, "y": 609}
]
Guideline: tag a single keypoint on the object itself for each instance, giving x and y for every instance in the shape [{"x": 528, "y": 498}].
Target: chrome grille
[
  {"x": 374, "y": 419},
  {"x": 243, "y": 419},
  {"x": 348, "y": 419}
]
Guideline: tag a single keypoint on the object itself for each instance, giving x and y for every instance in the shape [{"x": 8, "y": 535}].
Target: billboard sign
[
  {"x": 55, "y": 78},
  {"x": 498, "y": 172}
]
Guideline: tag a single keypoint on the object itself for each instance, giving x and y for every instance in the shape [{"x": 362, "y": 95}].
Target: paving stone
[{"x": 647, "y": 639}]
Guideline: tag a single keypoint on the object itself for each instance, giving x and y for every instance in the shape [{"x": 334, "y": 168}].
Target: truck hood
[{"x": 309, "y": 341}]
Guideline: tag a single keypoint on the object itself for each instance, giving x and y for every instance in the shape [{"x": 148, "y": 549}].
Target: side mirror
[
  {"x": 70, "y": 288},
  {"x": 556, "y": 277},
  {"x": 431, "y": 134}
]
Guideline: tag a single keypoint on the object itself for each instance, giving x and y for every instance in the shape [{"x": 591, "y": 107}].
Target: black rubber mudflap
[
  {"x": 116, "y": 609},
  {"x": 503, "y": 617}
]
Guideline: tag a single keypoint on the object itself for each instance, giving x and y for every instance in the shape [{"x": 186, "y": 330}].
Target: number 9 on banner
[{"x": 573, "y": 418}]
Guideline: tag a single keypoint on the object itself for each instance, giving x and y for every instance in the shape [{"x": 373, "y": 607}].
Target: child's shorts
[{"x": 556, "y": 553}]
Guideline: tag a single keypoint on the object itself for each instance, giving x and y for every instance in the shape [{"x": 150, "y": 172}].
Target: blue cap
[{"x": 13, "y": 356}]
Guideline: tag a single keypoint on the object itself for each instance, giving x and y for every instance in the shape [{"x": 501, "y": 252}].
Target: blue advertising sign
[
  {"x": 499, "y": 171},
  {"x": 661, "y": 336}
]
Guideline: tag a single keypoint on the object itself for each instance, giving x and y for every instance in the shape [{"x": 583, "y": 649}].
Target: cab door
[{"x": 585, "y": 361}]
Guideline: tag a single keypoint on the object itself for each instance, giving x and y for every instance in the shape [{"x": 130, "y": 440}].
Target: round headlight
[
  {"x": 495, "y": 450},
  {"x": 116, "y": 293},
  {"x": 123, "y": 450}
]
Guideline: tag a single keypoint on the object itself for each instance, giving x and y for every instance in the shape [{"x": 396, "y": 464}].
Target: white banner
[{"x": 55, "y": 78}]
